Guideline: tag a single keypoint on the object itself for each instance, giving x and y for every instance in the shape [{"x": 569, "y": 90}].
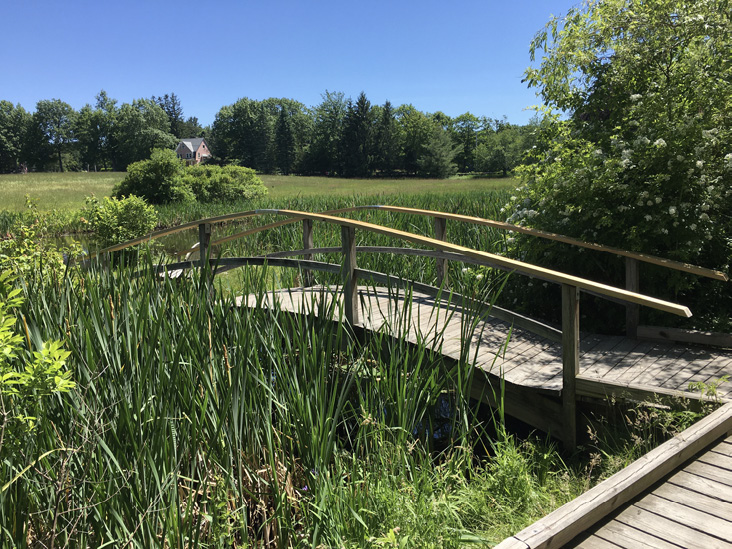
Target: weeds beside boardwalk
[{"x": 196, "y": 424}]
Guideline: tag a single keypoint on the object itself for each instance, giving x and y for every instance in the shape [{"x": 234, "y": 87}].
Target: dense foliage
[
  {"x": 644, "y": 159},
  {"x": 164, "y": 178},
  {"x": 276, "y": 135},
  {"x": 115, "y": 220}
]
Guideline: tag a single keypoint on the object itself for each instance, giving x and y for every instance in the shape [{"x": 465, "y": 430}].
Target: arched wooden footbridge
[
  {"x": 678, "y": 495},
  {"x": 545, "y": 369}
]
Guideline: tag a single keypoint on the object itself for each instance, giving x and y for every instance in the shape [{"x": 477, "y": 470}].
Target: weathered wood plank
[
  {"x": 594, "y": 542},
  {"x": 710, "y": 471},
  {"x": 629, "y": 537},
  {"x": 703, "y": 485},
  {"x": 678, "y": 335},
  {"x": 718, "y": 460},
  {"x": 667, "y": 529},
  {"x": 687, "y": 516},
  {"x": 695, "y": 500}
]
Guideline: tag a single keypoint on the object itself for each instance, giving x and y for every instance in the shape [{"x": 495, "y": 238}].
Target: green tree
[
  {"x": 14, "y": 125},
  {"x": 55, "y": 122},
  {"x": 642, "y": 158},
  {"x": 173, "y": 109},
  {"x": 464, "y": 132},
  {"x": 437, "y": 158},
  {"x": 328, "y": 121},
  {"x": 139, "y": 128},
  {"x": 285, "y": 142},
  {"x": 357, "y": 140},
  {"x": 417, "y": 130},
  {"x": 387, "y": 141}
]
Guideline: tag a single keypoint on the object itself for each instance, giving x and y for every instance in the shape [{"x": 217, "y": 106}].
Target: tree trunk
[{"x": 60, "y": 164}]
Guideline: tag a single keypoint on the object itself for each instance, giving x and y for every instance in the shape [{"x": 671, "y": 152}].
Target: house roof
[{"x": 192, "y": 143}]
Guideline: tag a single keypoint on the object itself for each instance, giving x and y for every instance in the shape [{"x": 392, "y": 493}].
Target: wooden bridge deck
[{"x": 526, "y": 359}]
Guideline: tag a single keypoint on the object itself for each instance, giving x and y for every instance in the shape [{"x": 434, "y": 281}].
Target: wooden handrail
[
  {"x": 499, "y": 261},
  {"x": 495, "y": 260},
  {"x": 647, "y": 258}
]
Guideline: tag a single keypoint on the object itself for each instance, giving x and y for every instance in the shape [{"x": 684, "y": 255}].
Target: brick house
[{"x": 193, "y": 150}]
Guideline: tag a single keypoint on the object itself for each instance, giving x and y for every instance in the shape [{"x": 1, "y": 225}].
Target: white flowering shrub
[{"x": 643, "y": 159}]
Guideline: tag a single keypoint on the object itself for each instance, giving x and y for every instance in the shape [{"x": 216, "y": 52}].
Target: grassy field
[
  {"x": 63, "y": 191},
  {"x": 66, "y": 191}
]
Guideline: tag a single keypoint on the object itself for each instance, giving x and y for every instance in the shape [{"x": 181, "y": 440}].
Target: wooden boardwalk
[
  {"x": 678, "y": 495},
  {"x": 691, "y": 508},
  {"x": 526, "y": 359}
]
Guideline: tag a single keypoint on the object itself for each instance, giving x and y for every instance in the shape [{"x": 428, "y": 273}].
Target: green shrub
[
  {"x": 213, "y": 183},
  {"x": 163, "y": 179},
  {"x": 158, "y": 180},
  {"x": 117, "y": 220},
  {"x": 25, "y": 382}
]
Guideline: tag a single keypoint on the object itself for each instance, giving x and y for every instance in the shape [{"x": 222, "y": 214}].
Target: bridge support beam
[
  {"x": 349, "y": 275},
  {"x": 307, "y": 244},
  {"x": 632, "y": 310},
  {"x": 440, "y": 226},
  {"x": 570, "y": 363},
  {"x": 204, "y": 241}
]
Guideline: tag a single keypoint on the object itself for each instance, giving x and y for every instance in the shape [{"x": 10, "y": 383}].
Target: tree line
[{"x": 339, "y": 136}]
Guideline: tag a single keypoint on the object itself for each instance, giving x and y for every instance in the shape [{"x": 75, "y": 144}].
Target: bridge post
[
  {"x": 350, "y": 281},
  {"x": 440, "y": 226},
  {"x": 570, "y": 363},
  {"x": 204, "y": 241},
  {"x": 632, "y": 284},
  {"x": 307, "y": 243}
]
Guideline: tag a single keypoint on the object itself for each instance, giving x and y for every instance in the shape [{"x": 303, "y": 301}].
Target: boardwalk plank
[
  {"x": 710, "y": 471},
  {"x": 696, "y": 500},
  {"x": 595, "y": 542},
  {"x": 718, "y": 460},
  {"x": 629, "y": 537},
  {"x": 667, "y": 529},
  {"x": 687, "y": 516},
  {"x": 703, "y": 485}
]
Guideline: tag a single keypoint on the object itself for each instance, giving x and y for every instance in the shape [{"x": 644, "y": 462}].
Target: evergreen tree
[
  {"x": 387, "y": 143},
  {"x": 438, "y": 156},
  {"x": 285, "y": 142},
  {"x": 328, "y": 119},
  {"x": 357, "y": 141},
  {"x": 172, "y": 107}
]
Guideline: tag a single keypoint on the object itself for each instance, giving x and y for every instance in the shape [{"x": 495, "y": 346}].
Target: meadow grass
[
  {"x": 66, "y": 191},
  {"x": 53, "y": 190}
]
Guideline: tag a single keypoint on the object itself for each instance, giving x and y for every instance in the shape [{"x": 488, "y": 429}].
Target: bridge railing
[{"x": 442, "y": 251}]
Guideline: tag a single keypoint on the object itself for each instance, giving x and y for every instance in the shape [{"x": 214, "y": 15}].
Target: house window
[{"x": 188, "y": 155}]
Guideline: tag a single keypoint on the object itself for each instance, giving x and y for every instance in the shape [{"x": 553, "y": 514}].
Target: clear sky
[{"x": 454, "y": 56}]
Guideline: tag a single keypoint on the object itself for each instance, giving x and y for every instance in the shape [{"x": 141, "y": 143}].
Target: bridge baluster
[
  {"x": 350, "y": 279},
  {"x": 632, "y": 310},
  {"x": 440, "y": 226},
  {"x": 204, "y": 241},
  {"x": 307, "y": 244},
  {"x": 570, "y": 362}
]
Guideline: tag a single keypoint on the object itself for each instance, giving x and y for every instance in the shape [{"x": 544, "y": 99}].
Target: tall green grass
[{"x": 195, "y": 423}]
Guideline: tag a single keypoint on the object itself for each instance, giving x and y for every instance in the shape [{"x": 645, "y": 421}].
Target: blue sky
[{"x": 454, "y": 56}]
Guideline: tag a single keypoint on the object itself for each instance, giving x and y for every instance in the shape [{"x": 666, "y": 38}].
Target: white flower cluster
[
  {"x": 659, "y": 143},
  {"x": 636, "y": 97},
  {"x": 728, "y": 161}
]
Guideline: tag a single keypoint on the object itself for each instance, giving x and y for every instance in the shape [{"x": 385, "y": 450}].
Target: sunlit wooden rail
[{"x": 443, "y": 251}]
